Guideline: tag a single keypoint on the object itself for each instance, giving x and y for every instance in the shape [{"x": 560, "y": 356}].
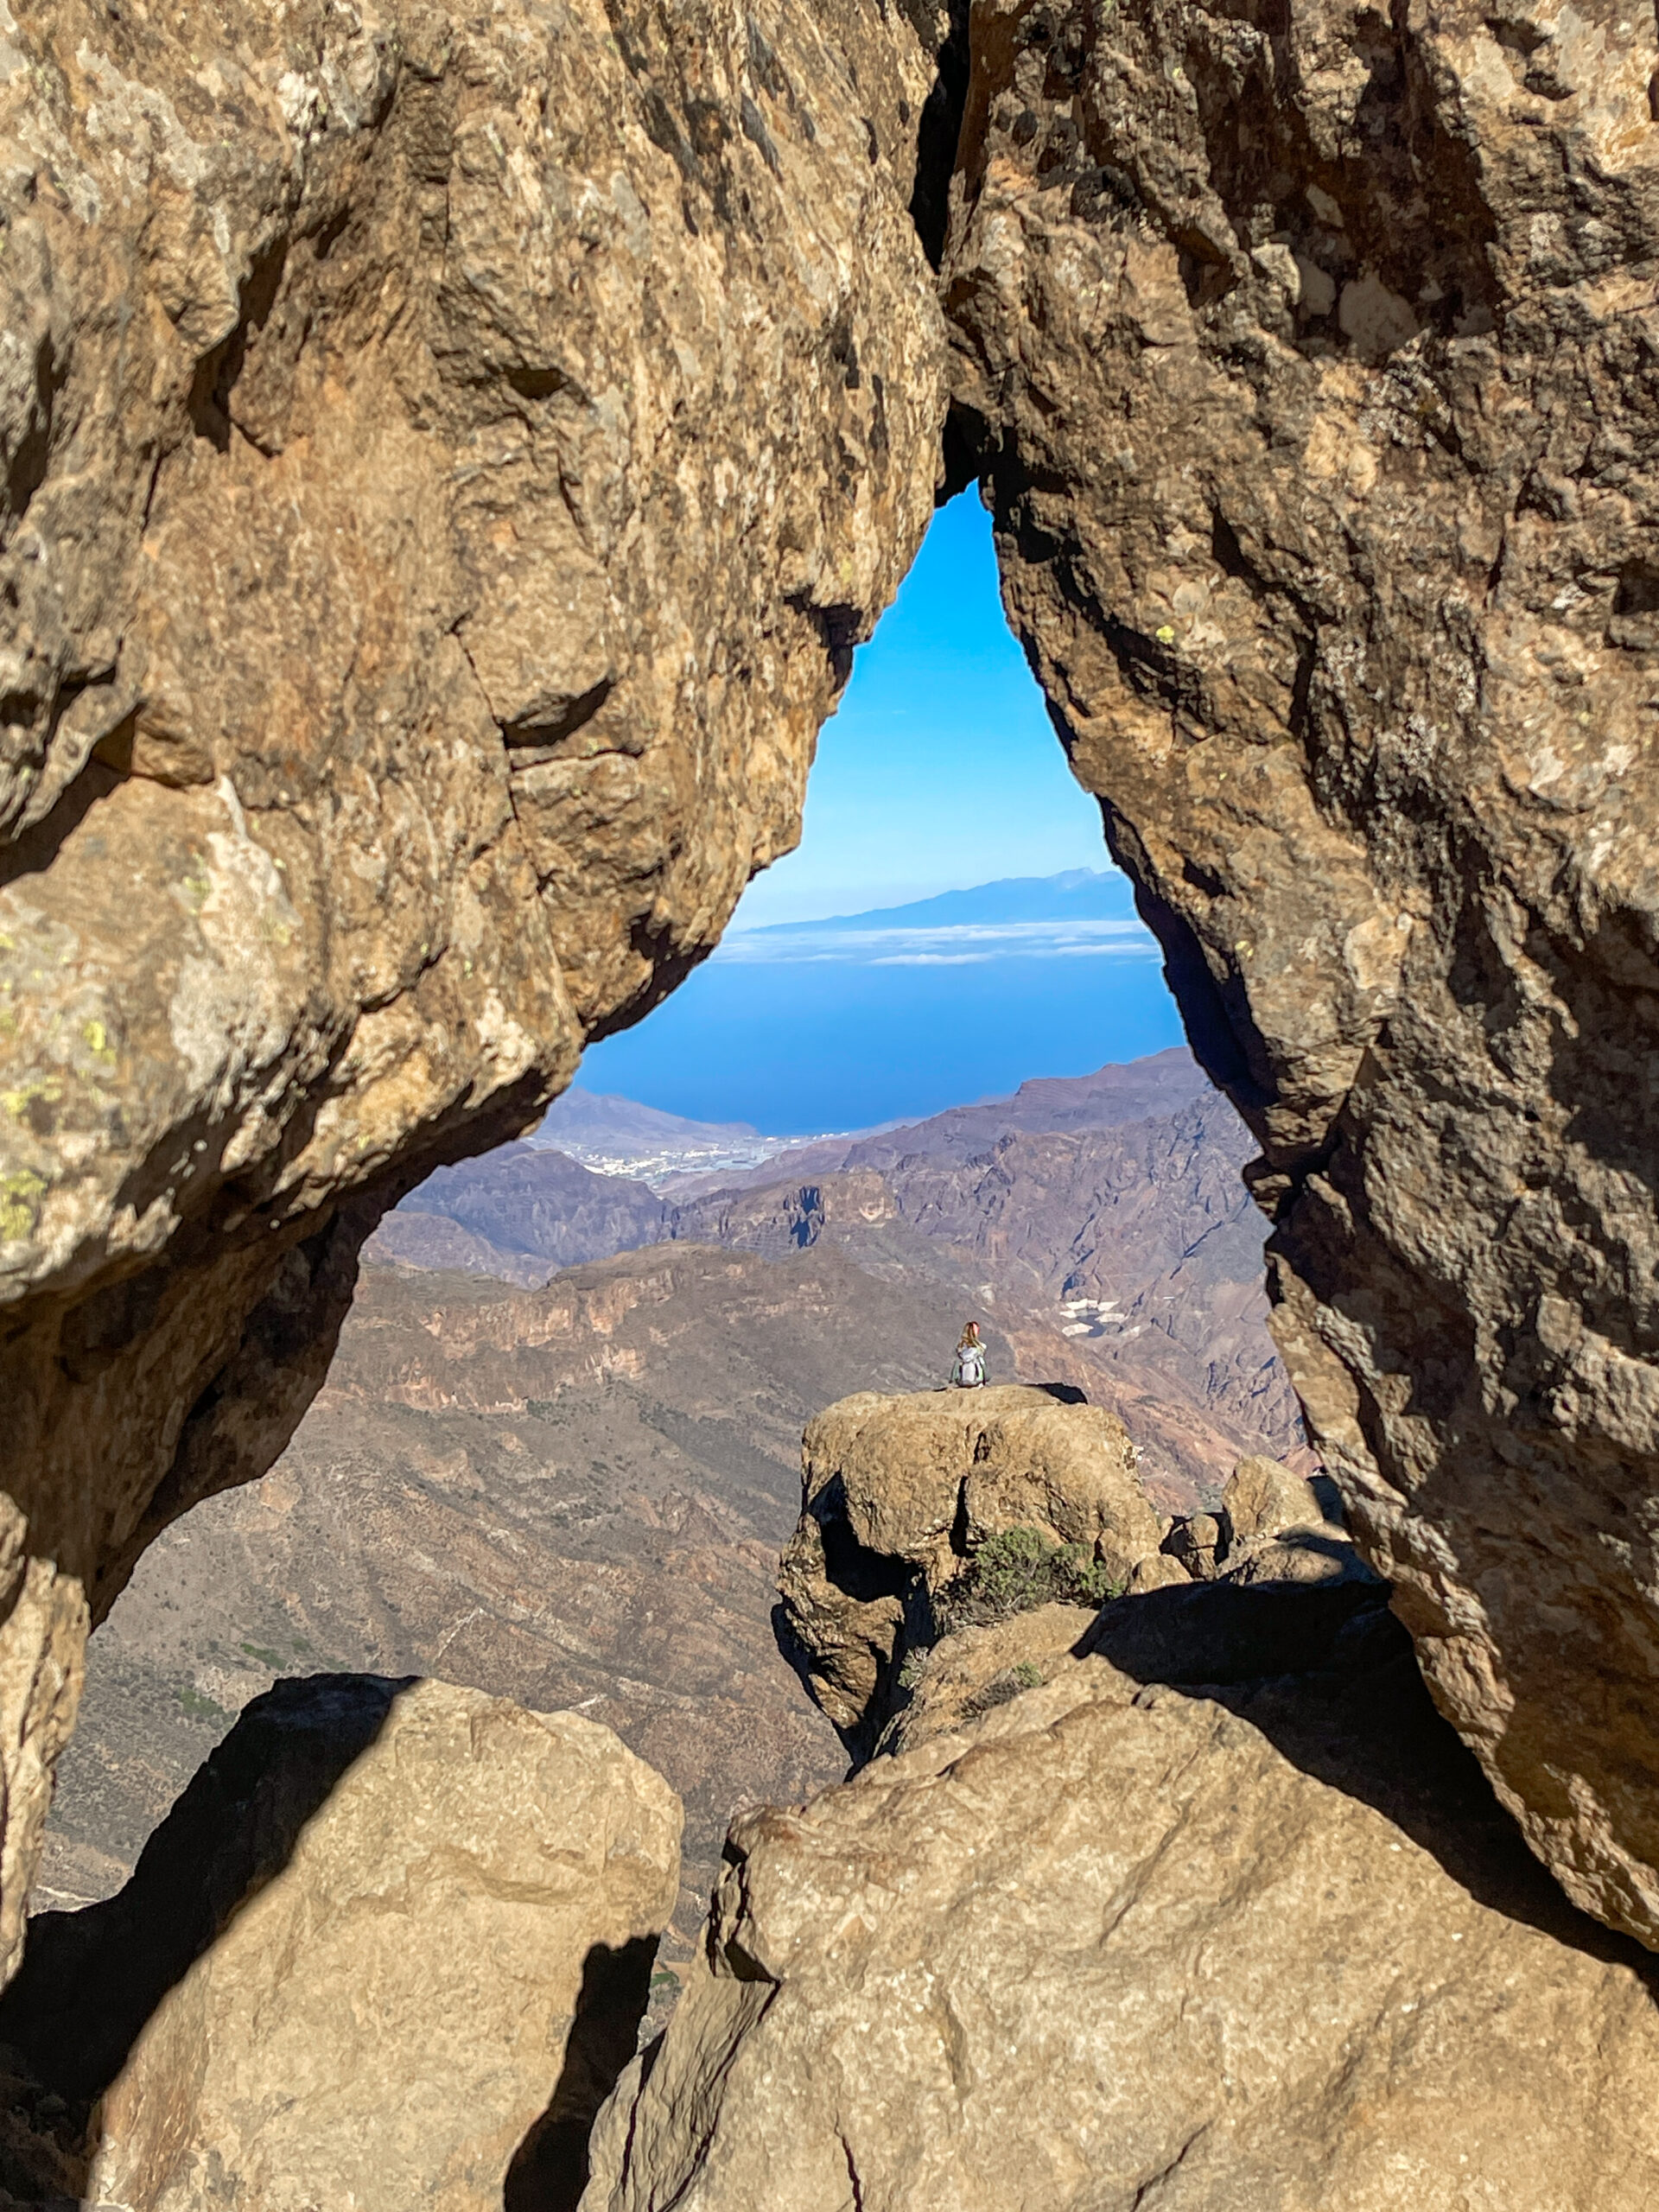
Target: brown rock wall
[
  {"x": 1309, "y": 360},
  {"x": 448, "y": 455}
]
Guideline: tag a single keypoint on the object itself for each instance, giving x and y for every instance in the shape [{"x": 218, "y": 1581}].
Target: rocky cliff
[
  {"x": 1309, "y": 360},
  {"x": 448, "y": 455},
  {"x": 446, "y": 459}
]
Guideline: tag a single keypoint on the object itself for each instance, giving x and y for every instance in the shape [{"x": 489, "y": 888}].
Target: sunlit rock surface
[
  {"x": 449, "y": 456},
  {"x": 393, "y": 1942},
  {"x": 1114, "y": 1944},
  {"x": 1312, "y": 362},
  {"x": 898, "y": 1492}
]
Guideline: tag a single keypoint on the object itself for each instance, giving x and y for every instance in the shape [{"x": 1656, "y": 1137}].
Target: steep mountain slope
[
  {"x": 521, "y": 1213},
  {"x": 1160, "y": 1083},
  {"x": 574, "y": 1495},
  {"x": 1102, "y": 1218}
]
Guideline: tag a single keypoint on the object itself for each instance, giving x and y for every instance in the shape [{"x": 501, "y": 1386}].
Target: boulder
[
  {"x": 391, "y": 1948},
  {"x": 1198, "y": 1542},
  {"x": 1264, "y": 1496},
  {"x": 899, "y": 1493},
  {"x": 1110, "y": 1945}
]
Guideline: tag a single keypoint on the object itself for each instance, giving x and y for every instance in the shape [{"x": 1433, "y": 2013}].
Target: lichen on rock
[{"x": 449, "y": 456}]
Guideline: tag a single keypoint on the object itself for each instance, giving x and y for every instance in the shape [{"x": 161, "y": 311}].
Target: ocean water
[{"x": 800, "y": 1046}]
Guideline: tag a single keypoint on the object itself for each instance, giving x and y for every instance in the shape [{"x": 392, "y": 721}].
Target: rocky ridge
[{"x": 1102, "y": 1216}]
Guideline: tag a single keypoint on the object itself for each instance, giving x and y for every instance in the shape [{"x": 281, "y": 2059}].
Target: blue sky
[
  {"x": 940, "y": 772},
  {"x": 940, "y": 768}
]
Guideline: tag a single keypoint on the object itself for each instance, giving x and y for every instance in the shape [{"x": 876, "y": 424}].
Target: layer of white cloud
[{"x": 952, "y": 946}]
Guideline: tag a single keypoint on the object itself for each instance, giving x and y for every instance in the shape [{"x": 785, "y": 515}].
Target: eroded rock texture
[
  {"x": 448, "y": 453},
  {"x": 1115, "y": 1945},
  {"x": 898, "y": 1493},
  {"x": 392, "y": 1944},
  {"x": 1314, "y": 358}
]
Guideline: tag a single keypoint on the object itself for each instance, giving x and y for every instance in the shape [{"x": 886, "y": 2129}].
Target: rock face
[
  {"x": 448, "y": 455},
  {"x": 1112, "y": 1944},
  {"x": 447, "y": 458},
  {"x": 898, "y": 1494},
  {"x": 1309, "y": 359},
  {"x": 393, "y": 1942}
]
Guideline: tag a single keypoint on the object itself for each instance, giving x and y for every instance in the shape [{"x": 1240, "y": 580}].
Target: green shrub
[
  {"x": 1016, "y": 1571},
  {"x": 1028, "y": 1675},
  {"x": 195, "y": 1706}
]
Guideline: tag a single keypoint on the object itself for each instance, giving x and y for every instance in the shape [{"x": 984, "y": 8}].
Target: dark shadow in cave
[{"x": 1330, "y": 1678}]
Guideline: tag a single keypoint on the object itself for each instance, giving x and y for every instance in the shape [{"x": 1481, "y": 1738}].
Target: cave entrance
[{"x": 950, "y": 924}]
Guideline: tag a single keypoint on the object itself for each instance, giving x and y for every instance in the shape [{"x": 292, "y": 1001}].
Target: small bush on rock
[
  {"x": 1002, "y": 1687},
  {"x": 1015, "y": 1572}
]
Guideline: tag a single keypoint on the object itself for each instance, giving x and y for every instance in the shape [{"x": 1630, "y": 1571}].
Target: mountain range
[{"x": 558, "y": 1450}]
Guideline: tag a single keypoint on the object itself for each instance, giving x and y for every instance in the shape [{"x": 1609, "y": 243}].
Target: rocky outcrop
[
  {"x": 447, "y": 457},
  {"x": 1112, "y": 1944},
  {"x": 1274, "y": 1526},
  {"x": 1308, "y": 358},
  {"x": 899, "y": 1495},
  {"x": 392, "y": 1947}
]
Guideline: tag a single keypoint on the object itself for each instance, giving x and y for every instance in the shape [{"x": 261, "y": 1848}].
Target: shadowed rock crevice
[{"x": 550, "y": 2168}]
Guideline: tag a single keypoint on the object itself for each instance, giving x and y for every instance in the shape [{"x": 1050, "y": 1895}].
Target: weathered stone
[
  {"x": 448, "y": 455},
  {"x": 1198, "y": 1542},
  {"x": 898, "y": 1492},
  {"x": 1322, "y": 1553},
  {"x": 388, "y": 1930},
  {"x": 1309, "y": 360},
  {"x": 1263, "y": 1498},
  {"x": 1110, "y": 1945},
  {"x": 983, "y": 1666}
]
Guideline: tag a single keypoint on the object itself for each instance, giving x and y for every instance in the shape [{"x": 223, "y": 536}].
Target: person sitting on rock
[{"x": 967, "y": 1370}]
